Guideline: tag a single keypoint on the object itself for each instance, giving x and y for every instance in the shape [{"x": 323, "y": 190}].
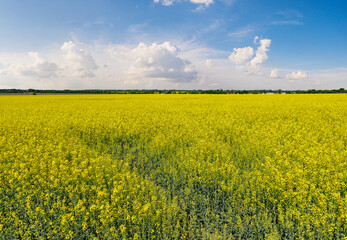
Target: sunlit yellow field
[{"x": 173, "y": 167}]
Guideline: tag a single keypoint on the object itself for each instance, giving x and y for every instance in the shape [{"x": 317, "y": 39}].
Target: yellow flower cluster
[{"x": 173, "y": 167}]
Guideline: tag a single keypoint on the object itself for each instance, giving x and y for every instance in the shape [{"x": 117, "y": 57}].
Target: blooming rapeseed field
[{"x": 173, "y": 167}]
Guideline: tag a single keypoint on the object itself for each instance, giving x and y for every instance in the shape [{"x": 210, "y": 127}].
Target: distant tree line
[{"x": 157, "y": 91}]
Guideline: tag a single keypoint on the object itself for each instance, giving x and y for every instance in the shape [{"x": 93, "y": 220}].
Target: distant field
[{"x": 173, "y": 167}]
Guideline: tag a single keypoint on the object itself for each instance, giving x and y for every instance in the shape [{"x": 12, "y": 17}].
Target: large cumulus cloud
[
  {"x": 157, "y": 61},
  {"x": 40, "y": 67},
  {"x": 81, "y": 63},
  {"x": 245, "y": 56}
]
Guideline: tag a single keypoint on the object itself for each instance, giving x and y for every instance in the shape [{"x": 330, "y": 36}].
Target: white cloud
[
  {"x": 242, "y": 32},
  {"x": 255, "y": 40},
  {"x": 274, "y": 73},
  {"x": 136, "y": 28},
  {"x": 164, "y": 2},
  {"x": 210, "y": 28},
  {"x": 261, "y": 53},
  {"x": 40, "y": 67},
  {"x": 241, "y": 55},
  {"x": 209, "y": 63},
  {"x": 287, "y": 22},
  {"x": 157, "y": 61},
  {"x": 297, "y": 75},
  {"x": 289, "y": 14},
  {"x": 199, "y": 8},
  {"x": 288, "y": 17},
  {"x": 205, "y": 3},
  {"x": 4, "y": 70},
  {"x": 183, "y": 65},
  {"x": 79, "y": 60}
]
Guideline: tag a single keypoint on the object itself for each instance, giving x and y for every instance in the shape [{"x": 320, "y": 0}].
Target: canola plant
[{"x": 173, "y": 167}]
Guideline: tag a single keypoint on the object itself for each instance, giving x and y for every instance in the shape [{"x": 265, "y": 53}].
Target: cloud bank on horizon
[{"x": 199, "y": 50}]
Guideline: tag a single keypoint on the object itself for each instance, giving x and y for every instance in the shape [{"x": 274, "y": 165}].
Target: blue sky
[{"x": 182, "y": 44}]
